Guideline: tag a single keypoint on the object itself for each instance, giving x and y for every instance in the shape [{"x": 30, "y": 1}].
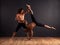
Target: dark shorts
[{"x": 21, "y": 25}]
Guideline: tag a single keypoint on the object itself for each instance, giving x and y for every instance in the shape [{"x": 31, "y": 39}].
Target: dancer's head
[{"x": 20, "y": 11}]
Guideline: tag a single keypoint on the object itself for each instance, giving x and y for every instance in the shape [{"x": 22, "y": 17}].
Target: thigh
[
  {"x": 24, "y": 25},
  {"x": 18, "y": 27},
  {"x": 31, "y": 26}
]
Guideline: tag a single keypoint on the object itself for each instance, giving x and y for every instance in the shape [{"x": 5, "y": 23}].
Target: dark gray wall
[{"x": 45, "y": 11}]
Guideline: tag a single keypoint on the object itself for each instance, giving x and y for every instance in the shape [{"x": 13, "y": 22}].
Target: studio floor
[{"x": 33, "y": 41}]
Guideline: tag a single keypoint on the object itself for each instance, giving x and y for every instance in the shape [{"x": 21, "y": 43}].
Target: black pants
[
  {"x": 21, "y": 25},
  {"x": 38, "y": 24}
]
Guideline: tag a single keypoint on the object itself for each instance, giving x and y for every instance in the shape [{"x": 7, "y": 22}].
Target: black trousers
[{"x": 21, "y": 25}]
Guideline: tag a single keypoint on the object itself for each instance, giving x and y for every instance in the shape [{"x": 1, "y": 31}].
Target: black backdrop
[{"x": 45, "y": 11}]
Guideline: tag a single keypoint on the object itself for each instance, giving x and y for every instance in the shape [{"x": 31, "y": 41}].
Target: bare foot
[{"x": 53, "y": 28}]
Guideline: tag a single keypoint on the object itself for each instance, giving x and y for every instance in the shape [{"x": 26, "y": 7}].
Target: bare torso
[{"x": 20, "y": 18}]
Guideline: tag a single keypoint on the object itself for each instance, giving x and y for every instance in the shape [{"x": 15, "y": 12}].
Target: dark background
[{"x": 45, "y": 11}]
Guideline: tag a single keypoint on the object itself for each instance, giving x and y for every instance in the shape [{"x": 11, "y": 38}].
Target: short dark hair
[{"x": 19, "y": 10}]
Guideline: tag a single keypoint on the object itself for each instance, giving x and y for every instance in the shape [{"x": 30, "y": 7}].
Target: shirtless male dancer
[{"x": 20, "y": 19}]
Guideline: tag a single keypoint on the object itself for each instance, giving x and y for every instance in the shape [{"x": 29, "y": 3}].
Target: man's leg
[
  {"x": 14, "y": 33},
  {"x": 31, "y": 34}
]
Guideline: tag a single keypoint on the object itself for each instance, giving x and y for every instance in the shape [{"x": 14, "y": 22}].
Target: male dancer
[{"x": 20, "y": 19}]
